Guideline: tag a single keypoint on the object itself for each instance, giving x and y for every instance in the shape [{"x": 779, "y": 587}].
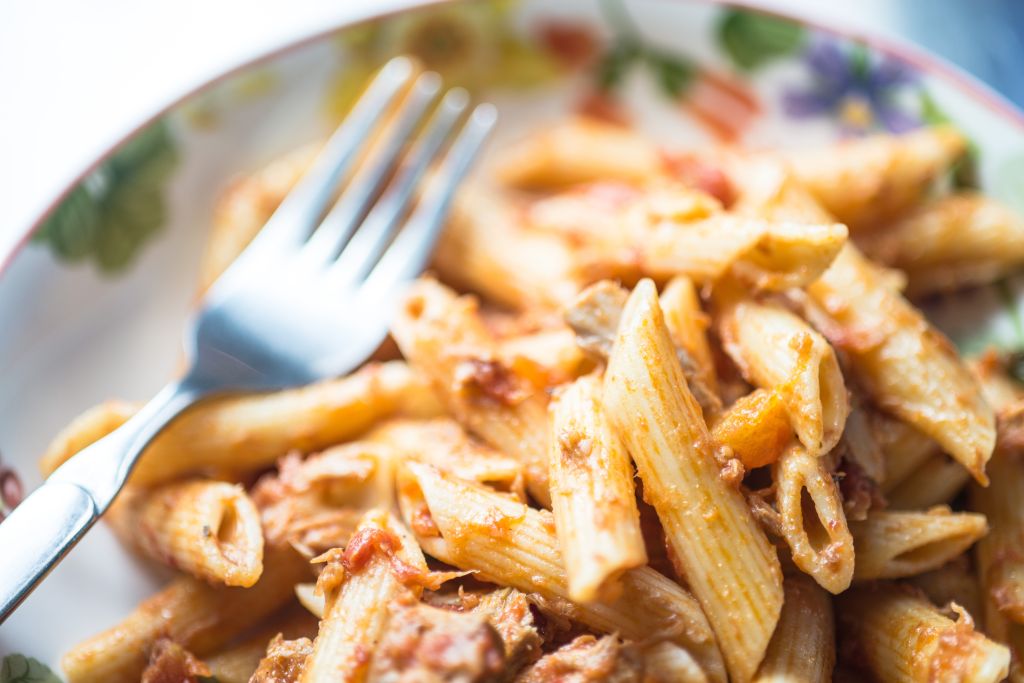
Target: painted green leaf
[
  {"x": 751, "y": 39},
  {"x": 21, "y": 669},
  {"x": 615, "y": 64},
  {"x": 1008, "y": 185},
  {"x": 674, "y": 74},
  {"x": 112, "y": 213}
]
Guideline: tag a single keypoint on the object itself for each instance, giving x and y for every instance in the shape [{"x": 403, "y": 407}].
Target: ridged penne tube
[
  {"x": 194, "y": 614},
  {"x": 892, "y": 545},
  {"x": 1000, "y": 555},
  {"x": 867, "y": 182},
  {"x": 666, "y": 662},
  {"x": 759, "y": 253},
  {"x": 545, "y": 358},
  {"x": 756, "y": 428},
  {"x": 246, "y": 433},
  {"x": 803, "y": 647},
  {"x": 951, "y": 242},
  {"x": 903, "y": 638},
  {"x": 937, "y": 481},
  {"x": 909, "y": 368},
  {"x": 904, "y": 448},
  {"x": 726, "y": 558},
  {"x": 775, "y": 349},
  {"x": 767, "y": 188},
  {"x": 208, "y": 529},
  {"x": 578, "y": 151},
  {"x": 510, "y": 544},
  {"x": 484, "y": 249},
  {"x": 687, "y": 325},
  {"x": 84, "y": 430},
  {"x": 443, "y": 442},
  {"x": 443, "y": 336},
  {"x": 592, "y": 494},
  {"x": 379, "y": 565},
  {"x": 813, "y": 521}
]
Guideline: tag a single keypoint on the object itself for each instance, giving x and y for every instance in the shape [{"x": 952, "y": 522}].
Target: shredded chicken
[
  {"x": 284, "y": 660},
  {"x": 588, "y": 660},
  {"x": 508, "y": 611},
  {"x": 171, "y": 663},
  {"x": 425, "y": 644}
]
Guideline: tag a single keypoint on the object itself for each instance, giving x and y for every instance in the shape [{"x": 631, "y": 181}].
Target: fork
[{"x": 311, "y": 297}]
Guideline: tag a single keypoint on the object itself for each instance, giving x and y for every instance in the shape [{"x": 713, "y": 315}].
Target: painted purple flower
[{"x": 858, "y": 88}]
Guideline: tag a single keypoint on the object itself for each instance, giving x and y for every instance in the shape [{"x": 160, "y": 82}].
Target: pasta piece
[
  {"x": 687, "y": 325},
  {"x": 955, "y": 241},
  {"x": 893, "y": 545},
  {"x": 768, "y": 189},
  {"x": 904, "y": 448},
  {"x": 903, "y": 638},
  {"x": 197, "y": 616},
  {"x": 208, "y": 529},
  {"x": 592, "y": 494},
  {"x": 586, "y": 659},
  {"x": 775, "y": 349},
  {"x": 89, "y": 427},
  {"x": 443, "y": 443},
  {"x": 804, "y": 645},
  {"x": 868, "y": 182},
  {"x": 587, "y": 216},
  {"x": 545, "y": 358},
  {"x": 443, "y": 335},
  {"x": 952, "y": 582},
  {"x": 578, "y": 151},
  {"x": 510, "y": 544},
  {"x": 595, "y": 315},
  {"x": 380, "y": 564},
  {"x": 762, "y": 254},
  {"x": 999, "y": 555},
  {"x": 244, "y": 208},
  {"x": 242, "y": 434},
  {"x": 727, "y": 561},
  {"x": 908, "y": 367},
  {"x": 666, "y": 662},
  {"x": 812, "y": 519},
  {"x": 756, "y": 428},
  {"x": 937, "y": 481},
  {"x": 484, "y": 249},
  {"x": 283, "y": 661}
]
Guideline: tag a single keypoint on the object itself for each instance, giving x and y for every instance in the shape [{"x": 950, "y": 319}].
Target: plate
[{"x": 93, "y": 306}]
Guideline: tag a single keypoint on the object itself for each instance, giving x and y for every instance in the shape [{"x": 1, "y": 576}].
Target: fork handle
[{"x": 41, "y": 530}]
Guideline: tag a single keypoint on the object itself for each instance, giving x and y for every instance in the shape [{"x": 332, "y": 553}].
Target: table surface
[{"x": 75, "y": 76}]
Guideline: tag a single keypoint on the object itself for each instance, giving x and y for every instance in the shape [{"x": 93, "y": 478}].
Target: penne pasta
[
  {"x": 867, "y": 182},
  {"x": 688, "y": 325},
  {"x": 510, "y": 544},
  {"x": 545, "y": 358},
  {"x": 901, "y": 637},
  {"x": 380, "y": 564},
  {"x": 907, "y": 367},
  {"x": 813, "y": 521},
  {"x": 936, "y": 481},
  {"x": 960, "y": 240},
  {"x": 893, "y": 545},
  {"x": 953, "y": 582},
  {"x": 197, "y": 616},
  {"x": 592, "y": 494},
  {"x": 725, "y": 556},
  {"x": 904, "y": 448},
  {"x": 483, "y": 249},
  {"x": 578, "y": 151},
  {"x": 776, "y": 350},
  {"x": 804, "y": 645},
  {"x": 247, "y": 433},
  {"x": 755, "y": 428},
  {"x": 208, "y": 529},
  {"x": 86, "y": 429},
  {"x": 443, "y": 336},
  {"x": 666, "y": 662}
]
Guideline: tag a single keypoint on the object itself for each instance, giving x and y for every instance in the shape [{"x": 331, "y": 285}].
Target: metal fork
[{"x": 310, "y": 298}]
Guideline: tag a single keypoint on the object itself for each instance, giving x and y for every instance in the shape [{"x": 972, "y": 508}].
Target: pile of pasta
[{"x": 656, "y": 416}]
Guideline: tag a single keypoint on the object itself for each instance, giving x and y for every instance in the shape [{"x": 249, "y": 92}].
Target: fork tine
[
  {"x": 408, "y": 254},
  {"x": 365, "y": 248},
  {"x": 337, "y": 226},
  {"x": 290, "y": 224}
]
